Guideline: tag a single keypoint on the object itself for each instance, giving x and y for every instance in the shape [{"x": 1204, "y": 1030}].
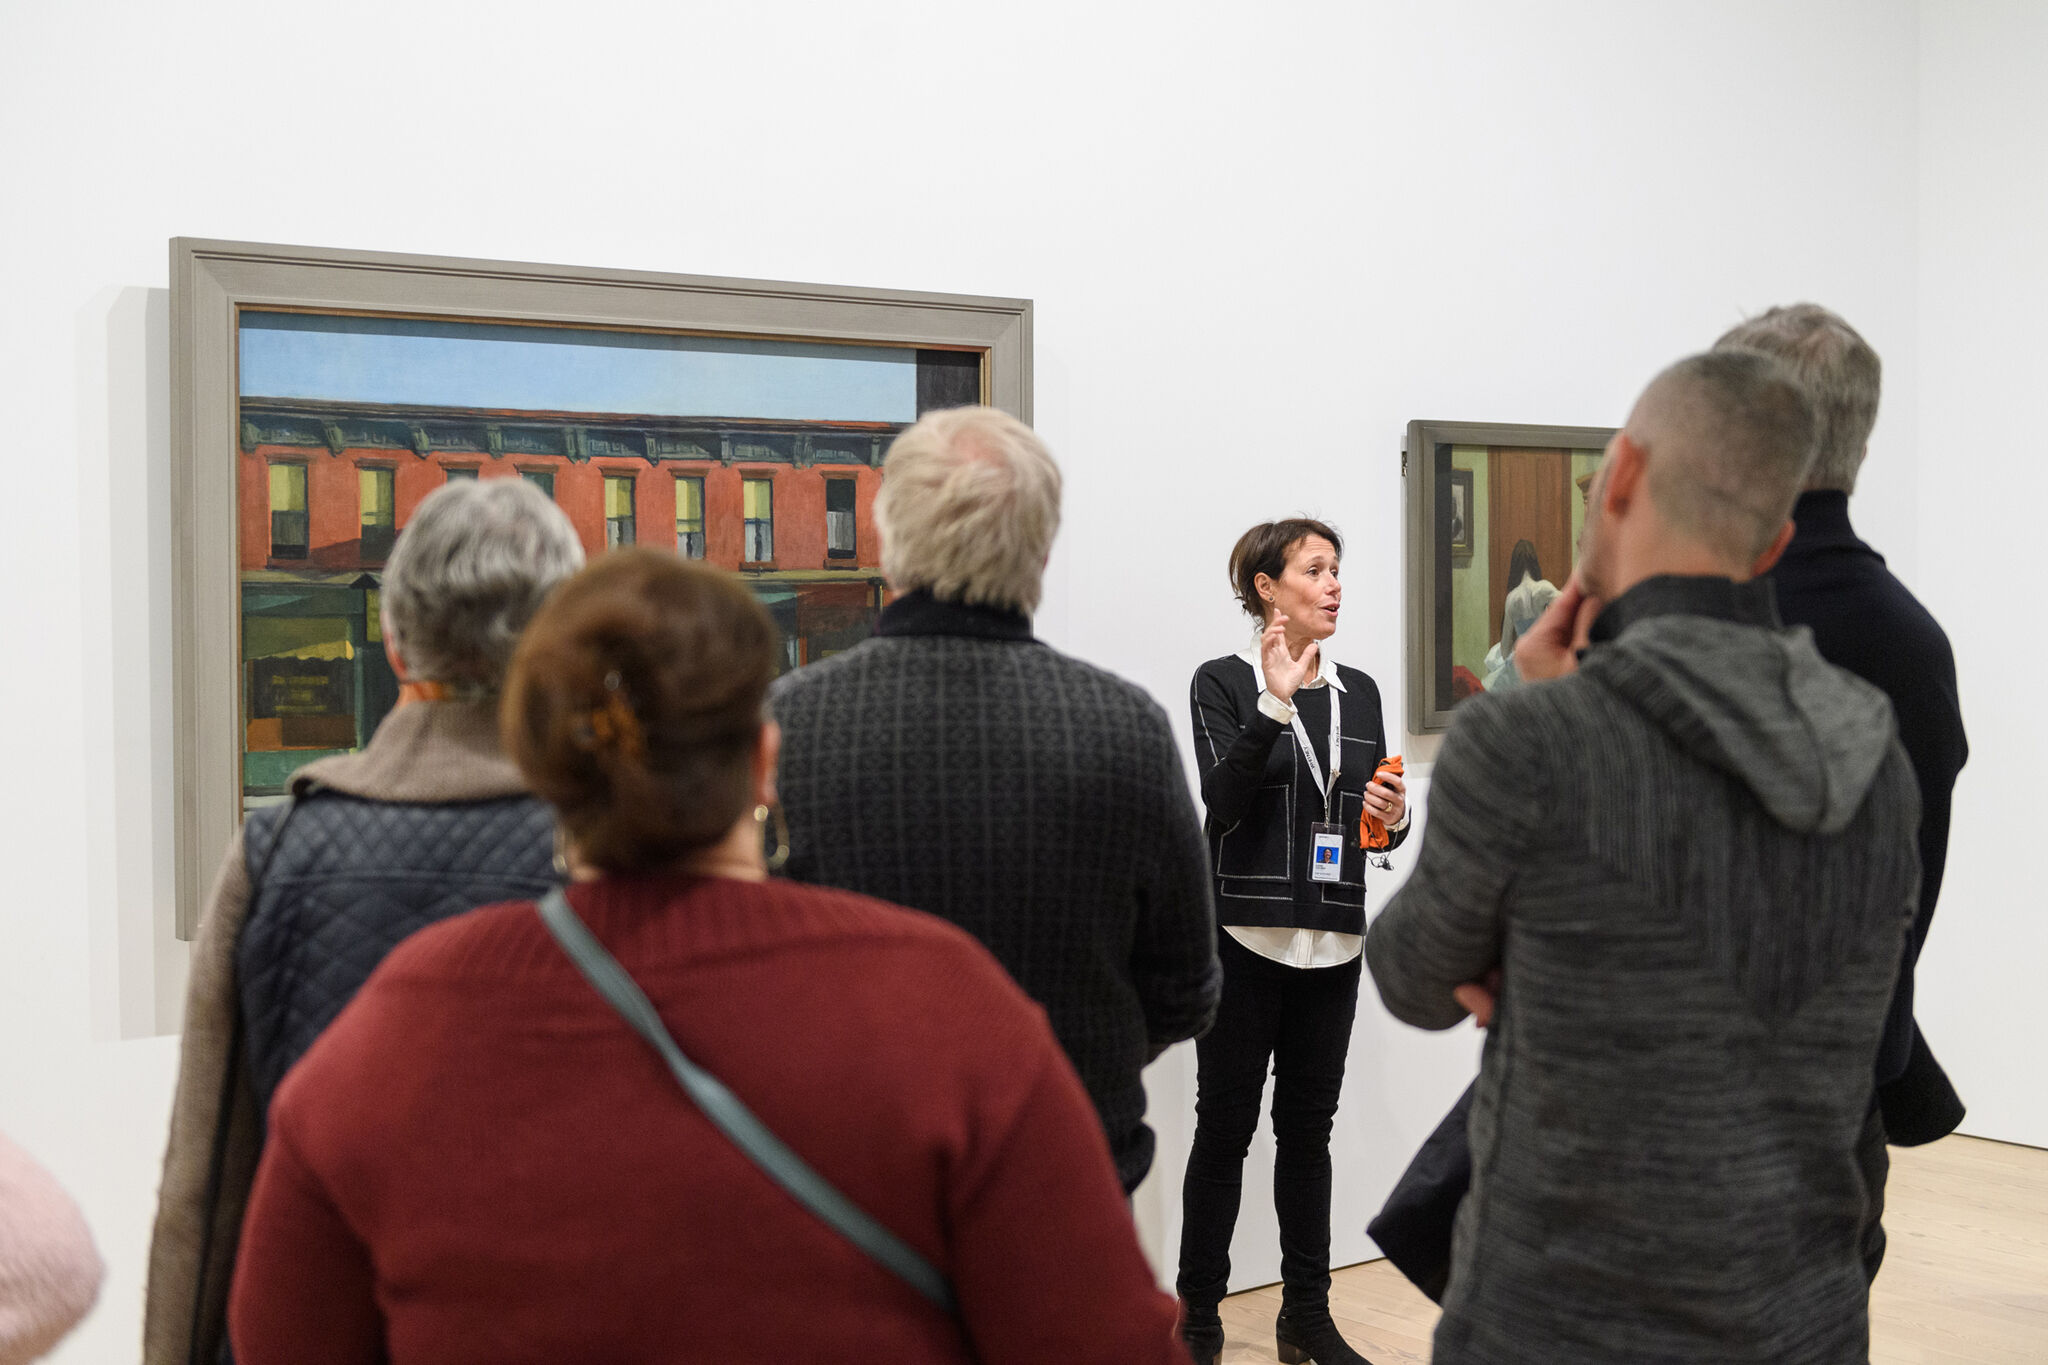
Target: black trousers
[{"x": 1298, "y": 1020}]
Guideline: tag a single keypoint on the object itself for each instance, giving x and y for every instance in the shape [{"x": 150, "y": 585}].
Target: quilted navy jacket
[{"x": 340, "y": 880}]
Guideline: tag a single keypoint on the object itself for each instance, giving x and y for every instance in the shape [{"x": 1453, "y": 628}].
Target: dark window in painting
[
  {"x": 380, "y": 511},
  {"x": 618, "y": 510},
  {"x": 288, "y": 529},
  {"x": 947, "y": 379},
  {"x": 459, "y": 474},
  {"x": 309, "y": 703},
  {"x": 757, "y": 497},
  {"x": 543, "y": 479},
  {"x": 690, "y": 518},
  {"x": 839, "y": 519}
]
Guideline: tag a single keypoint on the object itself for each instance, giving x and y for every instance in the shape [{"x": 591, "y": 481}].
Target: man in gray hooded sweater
[{"x": 1675, "y": 880}]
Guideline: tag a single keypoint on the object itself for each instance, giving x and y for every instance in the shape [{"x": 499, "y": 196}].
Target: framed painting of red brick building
[{"x": 319, "y": 395}]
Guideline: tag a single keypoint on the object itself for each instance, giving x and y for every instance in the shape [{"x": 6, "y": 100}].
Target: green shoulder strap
[{"x": 733, "y": 1118}]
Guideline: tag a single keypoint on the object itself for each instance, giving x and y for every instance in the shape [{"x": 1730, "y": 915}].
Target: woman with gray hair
[{"x": 429, "y": 820}]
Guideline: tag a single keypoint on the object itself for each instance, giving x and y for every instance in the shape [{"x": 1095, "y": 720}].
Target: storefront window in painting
[{"x": 762, "y": 457}]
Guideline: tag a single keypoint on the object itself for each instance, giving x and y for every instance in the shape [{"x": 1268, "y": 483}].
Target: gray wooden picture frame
[
  {"x": 1428, "y": 562},
  {"x": 212, "y": 281}
]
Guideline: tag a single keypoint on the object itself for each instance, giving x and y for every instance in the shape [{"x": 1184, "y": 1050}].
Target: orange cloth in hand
[{"x": 1372, "y": 831}]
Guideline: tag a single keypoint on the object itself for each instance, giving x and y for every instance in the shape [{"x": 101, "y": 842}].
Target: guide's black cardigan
[{"x": 1262, "y": 798}]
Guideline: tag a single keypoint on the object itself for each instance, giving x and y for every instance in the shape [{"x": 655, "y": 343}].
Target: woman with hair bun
[
  {"x": 1289, "y": 743},
  {"x": 482, "y": 1160}
]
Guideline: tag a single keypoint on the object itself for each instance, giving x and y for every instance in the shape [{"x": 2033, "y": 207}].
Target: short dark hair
[
  {"x": 634, "y": 705},
  {"x": 1264, "y": 550},
  {"x": 1729, "y": 438},
  {"x": 1842, "y": 375}
]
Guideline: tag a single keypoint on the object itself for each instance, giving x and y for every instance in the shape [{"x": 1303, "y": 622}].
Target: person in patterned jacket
[{"x": 956, "y": 764}]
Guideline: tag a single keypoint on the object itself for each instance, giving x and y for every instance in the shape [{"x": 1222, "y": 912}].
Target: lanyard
[{"x": 1308, "y": 751}]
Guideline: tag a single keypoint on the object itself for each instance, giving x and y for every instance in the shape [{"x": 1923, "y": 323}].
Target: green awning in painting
[
  {"x": 302, "y": 599},
  {"x": 296, "y": 637}
]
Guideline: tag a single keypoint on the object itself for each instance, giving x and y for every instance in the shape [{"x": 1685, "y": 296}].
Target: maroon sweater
[{"x": 479, "y": 1162}]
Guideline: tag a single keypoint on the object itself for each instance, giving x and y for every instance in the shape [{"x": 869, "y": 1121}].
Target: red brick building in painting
[{"x": 325, "y": 487}]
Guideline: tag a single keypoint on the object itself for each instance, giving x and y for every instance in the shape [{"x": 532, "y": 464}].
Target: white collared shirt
[{"x": 1299, "y": 947}]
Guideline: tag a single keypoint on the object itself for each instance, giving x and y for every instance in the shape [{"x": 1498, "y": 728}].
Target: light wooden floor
[{"x": 1965, "y": 1278}]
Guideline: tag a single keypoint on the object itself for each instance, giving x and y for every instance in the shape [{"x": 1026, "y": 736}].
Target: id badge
[{"x": 1326, "y": 853}]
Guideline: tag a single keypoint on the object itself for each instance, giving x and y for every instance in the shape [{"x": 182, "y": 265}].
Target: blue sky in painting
[{"x": 482, "y": 365}]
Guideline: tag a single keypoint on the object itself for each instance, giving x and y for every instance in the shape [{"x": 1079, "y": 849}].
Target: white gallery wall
[
  {"x": 1983, "y": 477},
  {"x": 1261, "y": 240}
]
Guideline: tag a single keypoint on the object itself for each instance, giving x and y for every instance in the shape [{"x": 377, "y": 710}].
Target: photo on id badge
[{"x": 1327, "y": 863}]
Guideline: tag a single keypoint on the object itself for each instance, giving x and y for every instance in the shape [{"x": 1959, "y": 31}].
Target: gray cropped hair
[
  {"x": 1842, "y": 375},
  {"x": 467, "y": 574},
  {"x": 1729, "y": 439},
  {"x": 969, "y": 505}
]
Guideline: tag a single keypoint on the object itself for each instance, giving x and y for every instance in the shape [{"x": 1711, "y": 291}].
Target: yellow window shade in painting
[
  {"x": 375, "y": 486},
  {"x": 287, "y": 488},
  {"x": 618, "y": 496}
]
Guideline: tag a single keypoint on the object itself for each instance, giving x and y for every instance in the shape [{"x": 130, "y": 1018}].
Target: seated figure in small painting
[{"x": 1529, "y": 596}]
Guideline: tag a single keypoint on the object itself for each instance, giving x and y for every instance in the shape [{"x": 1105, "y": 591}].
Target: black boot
[
  {"x": 1307, "y": 1334},
  {"x": 1202, "y": 1329}
]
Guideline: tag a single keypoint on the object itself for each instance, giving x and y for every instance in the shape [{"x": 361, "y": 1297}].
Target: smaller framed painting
[
  {"x": 1494, "y": 513},
  {"x": 1461, "y": 515}
]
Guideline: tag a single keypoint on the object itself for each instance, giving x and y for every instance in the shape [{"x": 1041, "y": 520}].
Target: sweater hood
[{"x": 1760, "y": 704}]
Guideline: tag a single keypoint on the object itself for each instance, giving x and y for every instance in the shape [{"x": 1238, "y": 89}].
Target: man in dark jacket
[
  {"x": 1863, "y": 619},
  {"x": 1690, "y": 860},
  {"x": 957, "y": 765}
]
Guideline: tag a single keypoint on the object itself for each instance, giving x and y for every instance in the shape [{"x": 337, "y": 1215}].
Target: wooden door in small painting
[{"x": 1529, "y": 497}]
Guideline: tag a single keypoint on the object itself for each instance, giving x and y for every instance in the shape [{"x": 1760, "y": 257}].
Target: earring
[
  {"x": 561, "y": 855},
  {"x": 762, "y": 815}
]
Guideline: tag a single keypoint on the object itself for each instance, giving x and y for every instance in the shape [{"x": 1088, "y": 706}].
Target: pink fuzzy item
[{"x": 49, "y": 1269}]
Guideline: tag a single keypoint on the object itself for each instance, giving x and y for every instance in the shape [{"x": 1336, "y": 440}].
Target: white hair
[
  {"x": 969, "y": 506},
  {"x": 1842, "y": 376},
  {"x": 467, "y": 574}
]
